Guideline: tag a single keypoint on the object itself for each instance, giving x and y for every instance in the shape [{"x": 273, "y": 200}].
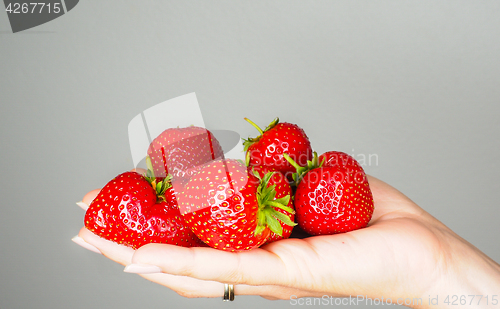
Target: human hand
[{"x": 404, "y": 254}]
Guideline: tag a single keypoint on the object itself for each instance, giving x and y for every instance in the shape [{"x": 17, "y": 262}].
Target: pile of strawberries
[{"x": 191, "y": 195}]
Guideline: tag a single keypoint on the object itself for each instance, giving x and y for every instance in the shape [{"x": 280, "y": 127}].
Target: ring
[{"x": 228, "y": 292}]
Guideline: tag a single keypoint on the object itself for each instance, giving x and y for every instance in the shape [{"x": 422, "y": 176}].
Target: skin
[{"x": 404, "y": 253}]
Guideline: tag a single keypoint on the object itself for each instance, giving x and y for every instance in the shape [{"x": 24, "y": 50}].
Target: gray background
[{"x": 415, "y": 83}]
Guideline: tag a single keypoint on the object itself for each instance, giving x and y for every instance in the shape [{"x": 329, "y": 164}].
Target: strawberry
[
  {"x": 135, "y": 210},
  {"x": 333, "y": 196},
  {"x": 177, "y": 150},
  {"x": 283, "y": 189},
  {"x": 278, "y": 138},
  {"x": 229, "y": 208},
  {"x": 337, "y": 158}
]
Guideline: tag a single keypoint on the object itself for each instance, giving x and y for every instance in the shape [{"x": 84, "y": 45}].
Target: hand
[{"x": 404, "y": 254}]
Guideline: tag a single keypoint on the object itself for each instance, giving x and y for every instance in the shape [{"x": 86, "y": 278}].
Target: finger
[
  {"x": 79, "y": 241},
  {"x": 118, "y": 253},
  {"x": 270, "y": 297},
  {"x": 384, "y": 192},
  {"x": 82, "y": 205},
  {"x": 191, "y": 287},
  {"x": 89, "y": 197},
  {"x": 187, "y": 286},
  {"x": 184, "y": 286},
  {"x": 322, "y": 264},
  {"x": 139, "y": 171},
  {"x": 255, "y": 267},
  {"x": 389, "y": 202}
]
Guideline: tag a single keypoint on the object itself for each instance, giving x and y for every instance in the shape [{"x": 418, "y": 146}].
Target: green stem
[
  {"x": 256, "y": 126},
  {"x": 291, "y": 161}
]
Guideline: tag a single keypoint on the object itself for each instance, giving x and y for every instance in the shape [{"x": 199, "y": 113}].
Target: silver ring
[{"x": 228, "y": 292}]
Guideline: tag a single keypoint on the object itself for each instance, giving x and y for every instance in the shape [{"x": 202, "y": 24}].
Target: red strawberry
[
  {"x": 283, "y": 189},
  {"x": 332, "y": 198},
  {"x": 337, "y": 158},
  {"x": 278, "y": 138},
  {"x": 130, "y": 211},
  {"x": 177, "y": 150},
  {"x": 229, "y": 208}
]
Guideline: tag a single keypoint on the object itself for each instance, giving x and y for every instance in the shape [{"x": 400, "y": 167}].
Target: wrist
[{"x": 470, "y": 280}]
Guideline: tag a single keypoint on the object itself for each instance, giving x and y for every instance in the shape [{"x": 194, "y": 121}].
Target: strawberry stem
[
  {"x": 302, "y": 170},
  {"x": 291, "y": 161},
  {"x": 267, "y": 214},
  {"x": 251, "y": 140},
  {"x": 160, "y": 185},
  {"x": 255, "y": 126}
]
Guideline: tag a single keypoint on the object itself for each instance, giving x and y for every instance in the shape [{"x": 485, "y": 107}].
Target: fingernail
[
  {"x": 79, "y": 241},
  {"x": 82, "y": 205},
  {"x": 142, "y": 269}
]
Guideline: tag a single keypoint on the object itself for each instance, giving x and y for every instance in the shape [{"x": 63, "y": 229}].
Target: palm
[
  {"x": 400, "y": 237},
  {"x": 376, "y": 260}
]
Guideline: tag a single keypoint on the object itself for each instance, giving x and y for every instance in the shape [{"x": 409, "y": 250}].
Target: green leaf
[
  {"x": 283, "y": 218},
  {"x": 256, "y": 174},
  {"x": 259, "y": 229},
  {"x": 149, "y": 164},
  {"x": 246, "y": 144},
  {"x": 261, "y": 218},
  {"x": 269, "y": 194},
  {"x": 266, "y": 178},
  {"x": 149, "y": 174},
  {"x": 166, "y": 185},
  {"x": 267, "y": 214},
  {"x": 272, "y": 124},
  {"x": 274, "y": 225},
  {"x": 284, "y": 200},
  {"x": 280, "y": 206}
]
